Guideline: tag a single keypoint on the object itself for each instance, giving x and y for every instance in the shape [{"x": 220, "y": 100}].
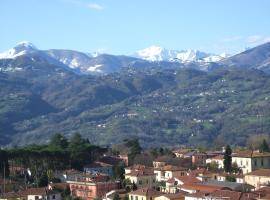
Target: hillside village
[{"x": 156, "y": 174}]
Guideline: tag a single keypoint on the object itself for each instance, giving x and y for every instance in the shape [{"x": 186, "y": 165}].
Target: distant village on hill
[{"x": 75, "y": 169}]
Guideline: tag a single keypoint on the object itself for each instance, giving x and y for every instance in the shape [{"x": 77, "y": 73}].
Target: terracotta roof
[
  {"x": 188, "y": 179},
  {"x": 175, "y": 195},
  {"x": 12, "y": 195},
  {"x": 146, "y": 192},
  {"x": 260, "y": 172},
  {"x": 98, "y": 164},
  {"x": 138, "y": 167},
  {"x": 39, "y": 191},
  {"x": 202, "y": 188},
  {"x": 172, "y": 168},
  {"x": 232, "y": 195},
  {"x": 111, "y": 160},
  {"x": 140, "y": 173}
]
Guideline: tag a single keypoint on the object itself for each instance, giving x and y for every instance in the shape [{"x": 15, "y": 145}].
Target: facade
[
  {"x": 142, "y": 178},
  {"x": 218, "y": 160},
  {"x": 249, "y": 161},
  {"x": 177, "y": 196},
  {"x": 199, "y": 158},
  {"x": 44, "y": 193},
  {"x": 258, "y": 178},
  {"x": 144, "y": 194},
  {"x": 169, "y": 171},
  {"x": 89, "y": 190}
]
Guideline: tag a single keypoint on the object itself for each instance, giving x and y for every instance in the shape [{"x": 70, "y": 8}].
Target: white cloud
[
  {"x": 232, "y": 39},
  {"x": 257, "y": 39},
  {"x": 95, "y": 6}
]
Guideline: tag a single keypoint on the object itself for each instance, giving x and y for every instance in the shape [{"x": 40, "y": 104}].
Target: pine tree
[
  {"x": 228, "y": 159},
  {"x": 264, "y": 146}
]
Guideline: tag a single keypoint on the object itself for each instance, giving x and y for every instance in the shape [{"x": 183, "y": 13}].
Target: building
[
  {"x": 89, "y": 190},
  {"x": 144, "y": 194},
  {"x": 99, "y": 167},
  {"x": 169, "y": 171},
  {"x": 199, "y": 159},
  {"x": 176, "y": 196},
  {"x": 258, "y": 178},
  {"x": 44, "y": 193},
  {"x": 249, "y": 161},
  {"x": 218, "y": 160},
  {"x": 173, "y": 183},
  {"x": 142, "y": 178},
  {"x": 13, "y": 196}
]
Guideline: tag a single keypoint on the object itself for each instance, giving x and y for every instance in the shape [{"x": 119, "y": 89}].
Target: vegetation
[
  {"x": 228, "y": 159},
  {"x": 170, "y": 107}
]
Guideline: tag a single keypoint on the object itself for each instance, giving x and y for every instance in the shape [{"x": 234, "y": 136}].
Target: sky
[{"x": 125, "y": 26}]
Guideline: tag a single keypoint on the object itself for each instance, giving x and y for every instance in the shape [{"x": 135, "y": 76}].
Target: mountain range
[
  {"x": 100, "y": 64},
  {"x": 160, "y": 101}
]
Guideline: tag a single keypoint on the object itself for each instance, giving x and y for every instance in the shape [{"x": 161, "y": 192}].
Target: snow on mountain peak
[
  {"x": 156, "y": 53},
  {"x": 21, "y": 48}
]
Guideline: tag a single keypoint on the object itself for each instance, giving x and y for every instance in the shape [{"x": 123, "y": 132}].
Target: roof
[
  {"x": 98, "y": 164},
  {"x": 146, "y": 192},
  {"x": 203, "y": 188},
  {"x": 188, "y": 179},
  {"x": 12, "y": 195},
  {"x": 39, "y": 191},
  {"x": 140, "y": 173},
  {"x": 138, "y": 167},
  {"x": 250, "y": 154},
  {"x": 260, "y": 172},
  {"x": 175, "y": 195},
  {"x": 111, "y": 160},
  {"x": 231, "y": 185},
  {"x": 172, "y": 168}
]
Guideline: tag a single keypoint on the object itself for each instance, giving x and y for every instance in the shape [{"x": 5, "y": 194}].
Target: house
[
  {"x": 142, "y": 178},
  {"x": 110, "y": 195},
  {"x": 194, "y": 188},
  {"x": 198, "y": 159},
  {"x": 44, "y": 193},
  {"x": 218, "y": 160},
  {"x": 144, "y": 194},
  {"x": 180, "y": 153},
  {"x": 173, "y": 183},
  {"x": 69, "y": 175},
  {"x": 222, "y": 195},
  {"x": 99, "y": 167},
  {"x": 91, "y": 189},
  {"x": 176, "y": 196},
  {"x": 13, "y": 196},
  {"x": 258, "y": 178},
  {"x": 250, "y": 160},
  {"x": 137, "y": 168},
  {"x": 239, "y": 178},
  {"x": 169, "y": 171},
  {"x": 158, "y": 163}
]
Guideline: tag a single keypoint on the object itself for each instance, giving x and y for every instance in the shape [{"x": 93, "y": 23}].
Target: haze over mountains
[{"x": 153, "y": 96}]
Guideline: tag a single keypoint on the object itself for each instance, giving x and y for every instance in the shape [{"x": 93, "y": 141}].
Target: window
[
  {"x": 154, "y": 181},
  {"x": 53, "y": 197},
  {"x": 131, "y": 197},
  {"x": 262, "y": 162},
  {"x": 255, "y": 162},
  {"x": 36, "y": 197},
  {"x": 140, "y": 182},
  {"x": 136, "y": 197}
]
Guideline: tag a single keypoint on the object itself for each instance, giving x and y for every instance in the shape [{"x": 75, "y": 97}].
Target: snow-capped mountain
[
  {"x": 20, "y": 49},
  {"x": 156, "y": 53},
  {"x": 95, "y": 63}
]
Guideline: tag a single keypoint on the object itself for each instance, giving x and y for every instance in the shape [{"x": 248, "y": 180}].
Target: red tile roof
[
  {"x": 146, "y": 192},
  {"x": 260, "y": 172}
]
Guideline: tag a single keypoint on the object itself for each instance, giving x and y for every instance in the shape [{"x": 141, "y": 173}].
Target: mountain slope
[{"x": 257, "y": 57}]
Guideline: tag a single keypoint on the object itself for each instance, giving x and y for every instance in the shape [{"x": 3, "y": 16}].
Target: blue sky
[{"x": 124, "y": 26}]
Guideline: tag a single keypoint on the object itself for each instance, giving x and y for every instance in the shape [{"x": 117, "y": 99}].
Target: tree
[
  {"x": 116, "y": 196},
  {"x": 264, "y": 146},
  {"x": 43, "y": 180},
  {"x": 134, "y": 147},
  {"x": 230, "y": 178},
  {"x": 58, "y": 141},
  {"x": 119, "y": 171},
  {"x": 228, "y": 159},
  {"x": 4, "y": 166}
]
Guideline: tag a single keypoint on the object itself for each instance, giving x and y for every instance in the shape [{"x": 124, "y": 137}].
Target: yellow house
[
  {"x": 142, "y": 178},
  {"x": 258, "y": 178},
  {"x": 249, "y": 161},
  {"x": 144, "y": 194}
]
